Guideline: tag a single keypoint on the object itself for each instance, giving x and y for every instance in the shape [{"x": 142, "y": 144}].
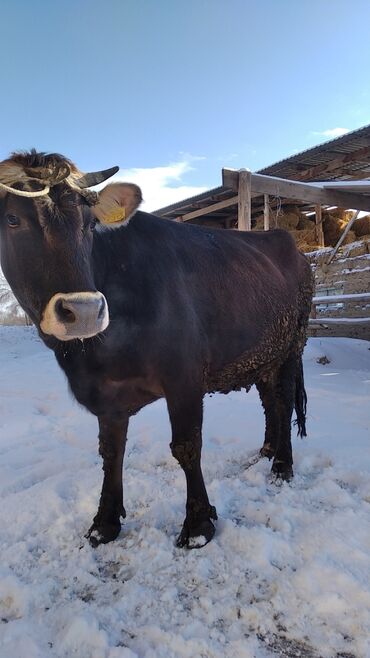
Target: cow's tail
[{"x": 300, "y": 400}]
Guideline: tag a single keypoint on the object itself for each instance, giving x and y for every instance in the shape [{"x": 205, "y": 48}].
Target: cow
[{"x": 137, "y": 308}]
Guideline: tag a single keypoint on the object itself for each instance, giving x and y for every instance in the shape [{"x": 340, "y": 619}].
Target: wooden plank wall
[{"x": 348, "y": 273}]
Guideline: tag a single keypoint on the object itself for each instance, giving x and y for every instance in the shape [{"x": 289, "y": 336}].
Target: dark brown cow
[{"x": 192, "y": 310}]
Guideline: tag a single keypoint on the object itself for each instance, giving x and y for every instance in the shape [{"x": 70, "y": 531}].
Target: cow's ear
[{"x": 117, "y": 203}]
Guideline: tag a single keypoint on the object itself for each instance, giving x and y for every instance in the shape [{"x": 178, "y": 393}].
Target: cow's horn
[
  {"x": 95, "y": 177},
  {"x": 25, "y": 193}
]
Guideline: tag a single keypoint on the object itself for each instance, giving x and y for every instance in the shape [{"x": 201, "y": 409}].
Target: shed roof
[
  {"x": 343, "y": 158},
  {"x": 340, "y": 159}
]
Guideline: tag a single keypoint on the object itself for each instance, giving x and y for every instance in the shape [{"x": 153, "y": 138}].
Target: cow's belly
[{"x": 258, "y": 363}]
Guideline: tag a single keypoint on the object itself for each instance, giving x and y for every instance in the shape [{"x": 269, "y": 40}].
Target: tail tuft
[{"x": 300, "y": 401}]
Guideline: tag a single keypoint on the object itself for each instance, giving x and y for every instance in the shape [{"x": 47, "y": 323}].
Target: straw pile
[
  {"x": 334, "y": 223},
  {"x": 290, "y": 219},
  {"x": 305, "y": 239},
  {"x": 303, "y": 230},
  {"x": 361, "y": 226}
]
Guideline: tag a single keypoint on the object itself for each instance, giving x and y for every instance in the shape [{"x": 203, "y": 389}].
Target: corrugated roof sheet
[
  {"x": 343, "y": 155},
  {"x": 349, "y": 144},
  {"x": 216, "y": 192}
]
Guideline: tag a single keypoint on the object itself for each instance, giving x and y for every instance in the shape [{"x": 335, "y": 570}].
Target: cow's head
[{"x": 47, "y": 218}]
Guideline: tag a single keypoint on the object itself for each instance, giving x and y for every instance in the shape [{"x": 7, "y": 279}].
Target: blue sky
[{"x": 172, "y": 91}]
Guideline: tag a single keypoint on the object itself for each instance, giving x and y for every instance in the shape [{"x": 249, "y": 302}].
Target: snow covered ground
[
  {"x": 10, "y": 311},
  {"x": 288, "y": 573}
]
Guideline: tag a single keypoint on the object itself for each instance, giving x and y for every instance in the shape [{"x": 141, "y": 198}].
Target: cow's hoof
[
  {"x": 103, "y": 533},
  {"x": 267, "y": 451},
  {"x": 282, "y": 470},
  {"x": 197, "y": 536}
]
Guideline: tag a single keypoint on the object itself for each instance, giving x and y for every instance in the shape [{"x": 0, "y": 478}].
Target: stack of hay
[
  {"x": 361, "y": 228},
  {"x": 293, "y": 220},
  {"x": 302, "y": 228},
  {"x": 334, "y": 223},
  {"x": 305, "y": 233}
]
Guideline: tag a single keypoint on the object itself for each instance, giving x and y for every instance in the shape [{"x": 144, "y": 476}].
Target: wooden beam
[
  {"x": 318, "y": 322},
  {"x": 266, "y": 212},
  {"x": 335, "y": 299},
  {"x": 318, "y": 170},
  {"x": 208, "y": 209},
  {"x": 359, "y": 174},
  {"x": 309, "y": 193},
  {"x": 230, "y": 179},
  {"x": 244, "y": 200},
  {"x": 318, "y": 226},
  {"x": 312, "y": 193}
]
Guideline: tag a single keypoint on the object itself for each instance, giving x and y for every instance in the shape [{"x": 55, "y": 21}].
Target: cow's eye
[
  {"x": 13, "y": 221},
  {"x": 92, "y": 224}
]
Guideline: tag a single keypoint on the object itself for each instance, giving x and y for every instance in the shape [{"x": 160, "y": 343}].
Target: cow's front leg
[
  {"x": 186, "y": 421},
  {"x": 112, "y": 442}
]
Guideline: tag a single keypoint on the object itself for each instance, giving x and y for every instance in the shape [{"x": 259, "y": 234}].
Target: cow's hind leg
[
  {"x": 186, "y": 414},
  {"x": 282, "y": 465},
  {"x": 112, "y": 441},
  {"x": 279, "y": 394},
  {"x": 267, "y": 392}
]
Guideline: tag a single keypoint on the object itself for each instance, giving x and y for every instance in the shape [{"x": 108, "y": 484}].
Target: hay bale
[
  {"x": 350, "y": 237},
  {"x": 306, "y": 247},
  {"x": 305, "y": 223},
  {"x": 319, "y": 256},
  {"x": 358, "y": 248},
  {"x": 333, "y": 228},
  {"x": 361, "y": 226},
  {"x": 289, "y": 220},
  {"x": 305, "y": 237},
  {"x": 258, "y": 223},
  {"x": 341, "y": 213}
]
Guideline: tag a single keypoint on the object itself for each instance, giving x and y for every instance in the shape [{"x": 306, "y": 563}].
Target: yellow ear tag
[{"x": 115, "y": 215}]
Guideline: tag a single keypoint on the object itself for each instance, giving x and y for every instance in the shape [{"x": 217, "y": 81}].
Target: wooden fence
[{"x": 318, "y": 321}]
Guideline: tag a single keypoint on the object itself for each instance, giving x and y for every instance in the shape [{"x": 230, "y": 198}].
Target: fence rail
[{"x": 323, "y": 322}]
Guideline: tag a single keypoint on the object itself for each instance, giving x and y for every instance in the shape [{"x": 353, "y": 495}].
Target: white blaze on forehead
[{"x": 53, "y": 326}]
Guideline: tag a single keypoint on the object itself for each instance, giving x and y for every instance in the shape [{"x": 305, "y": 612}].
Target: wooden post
[
  {"x": 318, "y": 227},
  {"x": 313, "y": 315},
  {"x": 244, "y": 201},
  {"x": 266, "y": 213},
  {"x": 348, "y": 228}
]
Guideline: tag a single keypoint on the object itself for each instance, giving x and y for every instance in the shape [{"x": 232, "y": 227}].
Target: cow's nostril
[
  {"x": 64, "y": 314},
  {"x": 101, "y": 309}
]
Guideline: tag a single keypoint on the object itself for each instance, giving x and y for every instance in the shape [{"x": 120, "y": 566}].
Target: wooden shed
[{"x": 333, "y": 174}]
